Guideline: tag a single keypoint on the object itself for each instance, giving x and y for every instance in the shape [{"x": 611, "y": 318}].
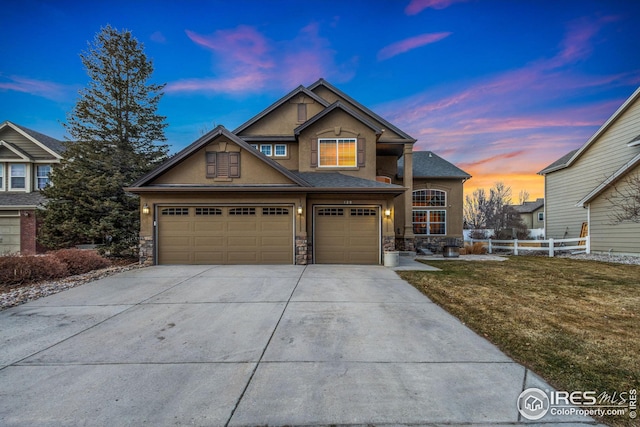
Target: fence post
[
  {"x": 490, "y": 247},
  {"x": 551, "y": 248},
  {"x": 515, "y": 247},
  {"x": 588, "y": 248}
]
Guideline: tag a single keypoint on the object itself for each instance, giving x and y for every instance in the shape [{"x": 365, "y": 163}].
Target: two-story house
[
  {"x": 311, "y": 179},
  {"x": 26, "y": 157}
]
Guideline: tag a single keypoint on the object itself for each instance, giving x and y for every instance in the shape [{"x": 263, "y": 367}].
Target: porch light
[
  {"x": 145, "y": 209},
  {"x": 387, "y": 213},
  {"x": 300, "y": 210}
]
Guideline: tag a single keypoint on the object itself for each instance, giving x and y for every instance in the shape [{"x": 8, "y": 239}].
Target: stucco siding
[{"x": 566, "y": 187}]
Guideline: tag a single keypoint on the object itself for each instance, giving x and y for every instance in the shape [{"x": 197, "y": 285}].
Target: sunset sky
[{"x": 500, "y": 88}]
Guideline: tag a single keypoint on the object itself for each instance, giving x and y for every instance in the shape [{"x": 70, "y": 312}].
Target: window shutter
[
  {"x": 314, "y": 152},
  {"x": 361, "y": 151},
  {"x": 234, "y": 165},
  {"x": 211, "y": 165}
]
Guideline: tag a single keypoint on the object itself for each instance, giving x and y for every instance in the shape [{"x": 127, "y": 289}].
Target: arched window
[{"x": 429, "y": 221}]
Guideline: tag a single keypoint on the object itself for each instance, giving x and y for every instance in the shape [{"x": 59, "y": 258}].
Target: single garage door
[
  {"x": 347, "y": 235},
  {"x": 9, "y": 235},
  {"x": 225, "y": 235}
]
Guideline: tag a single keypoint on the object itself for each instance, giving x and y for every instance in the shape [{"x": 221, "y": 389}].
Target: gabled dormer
[{"x": 26, "y": 157}]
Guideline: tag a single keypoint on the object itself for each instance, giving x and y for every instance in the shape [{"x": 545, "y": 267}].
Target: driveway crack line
[{"x": 264, "y": 350}]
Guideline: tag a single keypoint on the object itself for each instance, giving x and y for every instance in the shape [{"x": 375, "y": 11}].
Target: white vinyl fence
[{"x": 577, "y": 245}]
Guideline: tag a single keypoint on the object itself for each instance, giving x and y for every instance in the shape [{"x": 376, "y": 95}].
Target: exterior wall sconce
[
  {"x": 145, "y": 209},
  {"x": 300, "y": 210},
  {"x": 387, "y": 213}
]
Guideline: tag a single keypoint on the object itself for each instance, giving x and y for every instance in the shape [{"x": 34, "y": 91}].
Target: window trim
[
  {"x": 275, "y": 150},
  {"x": 270, "y": 149},
  {"x": 429, "y": 198},
  {"x": 337, "y": 159},
  {"x": 428, "y": 222},
  {"x": 11, "y": 176},
  {"x": 2, "y": 168},
  {"x": 540, "y": 216},
  {"x": 38, "y": 177}
]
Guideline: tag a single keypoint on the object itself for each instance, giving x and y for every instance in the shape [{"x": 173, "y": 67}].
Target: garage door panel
[
  {"x": 226, "y": 235},
  {"x": 9, "y": 235},
  {"x": 347, "y": 235}
]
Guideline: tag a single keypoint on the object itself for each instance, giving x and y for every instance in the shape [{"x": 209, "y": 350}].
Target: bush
[
  {"x": 80, "y": 261},
  {"x": 16, "y": 269},
  {"x": 475, "y": 249}
]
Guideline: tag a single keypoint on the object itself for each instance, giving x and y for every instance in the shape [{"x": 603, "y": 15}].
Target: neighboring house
[
  {"x": 532, "y": 213},
  {"x": 26, "y": 157},
  {"x": 311, "y": 179},
  {"x": 578, "y": 184}
]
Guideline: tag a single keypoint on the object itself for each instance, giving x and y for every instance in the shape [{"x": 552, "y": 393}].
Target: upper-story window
[
  {"x": 423, "y": 198},
  {"x": 266, "y": 149},
  {"x": 18, "y": 176},
  {"x": 280, "y": 150},
  {"x": 42, "y": 175},
  {"x": 337, "y": 152},
  {"x": 1, "y": 176}
]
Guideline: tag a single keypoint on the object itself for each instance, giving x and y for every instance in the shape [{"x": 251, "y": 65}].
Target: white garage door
[
  {"x": 9, "y": 235},
  {"x": 225, "y": 235}
]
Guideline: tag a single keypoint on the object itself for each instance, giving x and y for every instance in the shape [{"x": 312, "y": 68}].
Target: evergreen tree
[{"x": 114, "y": 130}]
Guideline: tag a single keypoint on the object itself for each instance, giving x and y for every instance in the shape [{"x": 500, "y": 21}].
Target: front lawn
[{"x": 575, "y": 323}]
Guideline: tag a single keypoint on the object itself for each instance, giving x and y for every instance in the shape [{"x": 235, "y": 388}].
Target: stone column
[{"x": 407, "y": 182}]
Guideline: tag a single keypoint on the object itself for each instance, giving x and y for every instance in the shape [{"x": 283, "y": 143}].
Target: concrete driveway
[{"x": 251, "y": 345}]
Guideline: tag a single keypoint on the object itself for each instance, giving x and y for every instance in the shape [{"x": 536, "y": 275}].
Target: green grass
[{"x": 575, "y": 323}]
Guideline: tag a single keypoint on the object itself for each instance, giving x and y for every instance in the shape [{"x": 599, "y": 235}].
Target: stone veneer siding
[
  {"x": 146, "y": 250},
  {"x": 302, "y": 251},
  {"x": 433, "y": 243}
]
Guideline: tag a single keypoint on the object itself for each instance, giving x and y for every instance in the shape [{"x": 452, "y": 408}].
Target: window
[
  {"x": 255, "y": 146},
  {"x": 175, "y": 211},
  {"x": 208, "y": 211},
  {"x": 424, "y": 198},
  {"x": 331, "y": 212},
  {"x": 1, "y": 176},
  {"x": 384, "y": 179},
  {"x": 429, "y": 222},
  {"x": 223, "y": 165},
  {"x": 266, "y": 149},
  {"x": 540, "y": 216},
  {"x": 364, "y": 212},
  {"x": 280, "y": 150},
  {"x": 18, "y": 176},
  {"x": 242, "y": 211},
  {"x": 337, "y": 152},
  {"x": 42, "y": 175},
  {"x": 275, "y": 211}
]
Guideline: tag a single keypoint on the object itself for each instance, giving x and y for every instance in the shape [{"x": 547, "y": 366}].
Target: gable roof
[
  {"x": 337, "y": 105},
  {"x": 297, "y": 91},
  {"x": 617, "y": 175},
  {"x": 529, "y": 207},
  {"x": 624, "y": 107},
  {"x": 339, "y": 93},
  {"x": 559, "y": 164},
  {"x": 49, "y": 144},
  {"x": 16, "y": 150},
  {"x": 204, "y": 140},
  {"x": 427, "y": 164}
]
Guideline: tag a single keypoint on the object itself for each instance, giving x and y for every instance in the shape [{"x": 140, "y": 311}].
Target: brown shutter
[
  {"x": 234, "y": 165},
  {"x": 314, "y": 152},
  {"x": 211, "y": 165},
  {"x": 361, "y": 151}
]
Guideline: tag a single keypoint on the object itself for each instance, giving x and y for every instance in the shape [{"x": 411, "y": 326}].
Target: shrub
[
  {"x": 16, "y": 269},
  {"x": 80, "y": 261},
  {"x": 476, "y": 249}
]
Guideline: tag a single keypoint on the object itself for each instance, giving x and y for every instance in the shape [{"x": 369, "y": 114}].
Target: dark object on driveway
[{"x": 451, "y": 251}]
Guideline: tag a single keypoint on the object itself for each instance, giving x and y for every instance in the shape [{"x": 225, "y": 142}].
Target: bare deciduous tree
[{"x": 625, "y": 200}]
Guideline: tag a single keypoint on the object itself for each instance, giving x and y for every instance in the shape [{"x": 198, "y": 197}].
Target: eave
[{"x": 262, "y": 189}]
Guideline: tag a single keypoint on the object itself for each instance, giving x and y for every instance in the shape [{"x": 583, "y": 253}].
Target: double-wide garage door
[
  {"x": 347, "y": 235},
  {"x": 225, "y": 235}
]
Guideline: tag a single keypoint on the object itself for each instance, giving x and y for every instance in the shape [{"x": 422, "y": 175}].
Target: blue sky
[{"x": 500, "y": 88}]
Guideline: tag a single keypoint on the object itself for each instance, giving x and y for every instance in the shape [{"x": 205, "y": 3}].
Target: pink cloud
[
  {"x": 411, "y": 43},
  {"x": 41, "y": 88},
  {"x": 417, "y": 6},
  {"x": 158, "y": 37},
  {"x": 247, "y": 61}
]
